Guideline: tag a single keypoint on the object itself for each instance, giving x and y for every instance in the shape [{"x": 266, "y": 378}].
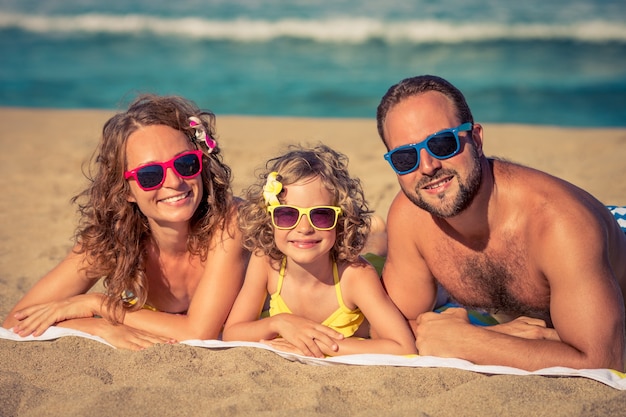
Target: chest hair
[{"x": 496, "y": 280}]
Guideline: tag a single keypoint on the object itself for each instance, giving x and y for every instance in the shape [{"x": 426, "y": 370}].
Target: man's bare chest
[{"x": 498, "y": 277}]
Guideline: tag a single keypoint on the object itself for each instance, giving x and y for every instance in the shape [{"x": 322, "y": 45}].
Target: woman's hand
[
  {"x": 307, "y": 337},
  {"x": 126, "y": 337},
  {"x": 38, "y": 318}
]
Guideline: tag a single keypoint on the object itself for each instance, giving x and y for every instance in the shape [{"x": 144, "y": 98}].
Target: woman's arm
[
  {"x": 206, "y": 314},
  {"x": 213, "y": 298},
  {"x": 59, "y": 298},
  {"x": 67, "y": 279},
  {"x": 118, "y": 335}
]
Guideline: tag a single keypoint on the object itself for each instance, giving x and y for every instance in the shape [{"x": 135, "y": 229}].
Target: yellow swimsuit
[
  {"x": 129, "y": 298},
  {"x": 343, "y": 320}
]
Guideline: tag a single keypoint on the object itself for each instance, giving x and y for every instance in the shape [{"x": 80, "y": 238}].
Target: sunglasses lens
[
  {"x": 443, "y": 145},
  {"x": 150, "y": 176},
  {"x": 286, "y": 217},
  {"x": 404, "y": 159},
  {"x": 323, "y": 218},
  {"x": 187, "y": 165}
]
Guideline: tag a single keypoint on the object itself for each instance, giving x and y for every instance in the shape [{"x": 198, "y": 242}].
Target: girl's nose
[{"x": 304, "y": 224}]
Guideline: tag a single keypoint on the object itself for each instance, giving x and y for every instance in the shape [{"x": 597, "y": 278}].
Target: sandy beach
[{"x": 42, "y": 153}]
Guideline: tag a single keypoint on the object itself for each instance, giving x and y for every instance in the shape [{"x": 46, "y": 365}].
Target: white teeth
[
  {"x": 175, "y": 198},
  {"x": 438, "y": 184}
]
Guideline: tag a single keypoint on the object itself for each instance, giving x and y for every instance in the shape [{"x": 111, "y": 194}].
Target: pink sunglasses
[{"x": 152, "y": 176}]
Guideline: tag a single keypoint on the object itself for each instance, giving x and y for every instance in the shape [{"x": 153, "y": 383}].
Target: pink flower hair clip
[{"x": 201, "y": 135}]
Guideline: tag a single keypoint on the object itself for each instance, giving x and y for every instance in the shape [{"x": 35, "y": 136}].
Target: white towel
[{"x": 609, "y": 377}]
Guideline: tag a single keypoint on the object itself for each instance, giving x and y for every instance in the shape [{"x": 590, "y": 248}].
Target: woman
[{"x": 158, "y": 225}]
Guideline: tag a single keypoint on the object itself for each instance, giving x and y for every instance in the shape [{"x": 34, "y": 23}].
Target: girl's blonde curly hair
[{"x": 296, "y": 164}]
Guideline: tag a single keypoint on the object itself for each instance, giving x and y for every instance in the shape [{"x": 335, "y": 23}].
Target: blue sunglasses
[{"x": 440, "y": 145}]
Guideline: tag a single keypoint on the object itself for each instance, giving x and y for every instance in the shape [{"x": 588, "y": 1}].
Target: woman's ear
[{"x": 131, "y": 197}]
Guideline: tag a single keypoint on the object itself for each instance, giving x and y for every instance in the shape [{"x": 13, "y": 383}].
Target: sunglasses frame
[
  {"x": 304, "y": 211},
  {"x": 465, "y": 127},
  {"x": 165, "y": 165}
]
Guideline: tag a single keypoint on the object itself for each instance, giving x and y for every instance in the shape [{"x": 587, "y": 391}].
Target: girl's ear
[{"x": 131, "y": 197}]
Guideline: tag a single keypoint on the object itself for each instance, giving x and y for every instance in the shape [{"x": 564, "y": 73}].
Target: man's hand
[
  {"x": 527, "y": 328},
  {"x": 437, "y": 334}
]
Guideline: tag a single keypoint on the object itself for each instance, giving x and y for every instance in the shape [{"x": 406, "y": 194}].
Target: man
[{"x": 496, "y": 236}]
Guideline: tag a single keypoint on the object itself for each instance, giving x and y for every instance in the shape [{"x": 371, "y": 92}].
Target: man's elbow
[{"x": 610, "y": 359}]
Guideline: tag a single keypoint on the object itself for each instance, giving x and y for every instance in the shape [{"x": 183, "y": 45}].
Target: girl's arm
[
  {"x": 361, "y": 286},
  {"x": 244, "y": 324}
]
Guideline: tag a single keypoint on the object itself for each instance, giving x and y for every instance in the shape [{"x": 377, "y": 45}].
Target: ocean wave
[{"x": 332, "y": 30}]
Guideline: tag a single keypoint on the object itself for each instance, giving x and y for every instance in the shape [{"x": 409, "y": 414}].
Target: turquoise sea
[{"x": 556, "y": 62}]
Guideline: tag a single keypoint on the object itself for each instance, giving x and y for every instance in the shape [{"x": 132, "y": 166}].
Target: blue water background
[{"x": 557, "y": 62}]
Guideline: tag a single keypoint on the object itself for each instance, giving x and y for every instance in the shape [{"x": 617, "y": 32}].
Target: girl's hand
[
  {"x": 38, "y": 318},
  {"x": 281, "y": 344},
  {"x": 308, "y": 337}
]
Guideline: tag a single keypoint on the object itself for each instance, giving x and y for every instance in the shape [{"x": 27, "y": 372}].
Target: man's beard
[{"x": 450, "y": 207}]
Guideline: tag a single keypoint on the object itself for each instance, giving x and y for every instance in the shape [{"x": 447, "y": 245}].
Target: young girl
[
  {"x": 306, "y": 227},
  {"x": 158, "y": 224}
]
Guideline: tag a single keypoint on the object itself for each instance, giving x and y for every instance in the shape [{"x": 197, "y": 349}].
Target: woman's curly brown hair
[
  {"x": 113, "y": 232},
  {"x": 296, "y": 164}
]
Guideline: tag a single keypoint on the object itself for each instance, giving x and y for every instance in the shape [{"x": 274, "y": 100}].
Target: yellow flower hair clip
[{"x": 272, "y": 188}]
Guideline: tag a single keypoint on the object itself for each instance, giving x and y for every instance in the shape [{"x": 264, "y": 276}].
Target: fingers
[
  {"x": 282, "y": 345},
  {"x": 424, "y": 317},
  {"x": 329, "y": 333},
  {"x": 300, "y": 347},
  {"x": 328, "y": 337},
  {"x": 455, "y": 311},
  {"x": 126, "y": 337},
  {"x": 309, "y": 347},
  {"x": 144, "y": 342},
  {"x": 532, "y": 321},
  {"x": 309, "y": 337},
  {"x": 304, "y": 345},
  {"x": 33, "y": 321},
  {"x": 153, "y": 339}
]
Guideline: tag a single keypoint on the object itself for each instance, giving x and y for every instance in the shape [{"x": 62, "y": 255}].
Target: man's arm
[
  {"x": 406, "y": 277},
  {"x": 586, "y": 306}
]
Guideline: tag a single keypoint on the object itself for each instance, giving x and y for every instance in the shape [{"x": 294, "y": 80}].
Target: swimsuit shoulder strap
[
  {"x": 281, "y": 276},
  {"x": 338, "y": 286}
]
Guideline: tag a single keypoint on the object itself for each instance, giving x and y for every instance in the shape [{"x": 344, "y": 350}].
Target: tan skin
[
  {"x": 553, "y": 250},
  {"x": 203, "y": 291},
  {"x": 308, "y": 289}
]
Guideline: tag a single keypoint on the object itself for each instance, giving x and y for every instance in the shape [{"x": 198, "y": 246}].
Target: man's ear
[{"x": 477, "y": 137}]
